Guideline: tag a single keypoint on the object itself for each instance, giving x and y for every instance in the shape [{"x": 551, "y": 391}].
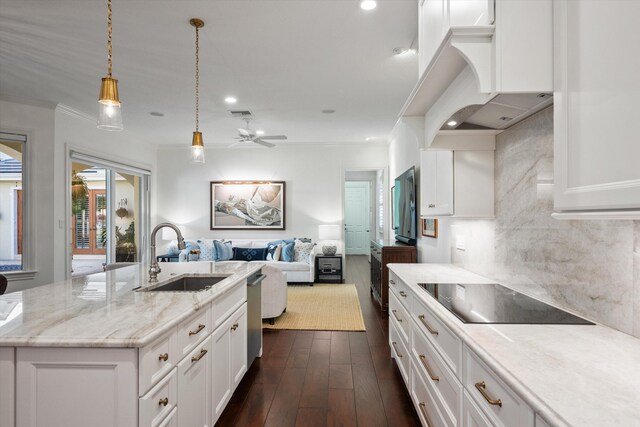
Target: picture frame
[
  {"x": 247, "y": 205},
  {"x": 430, "y": 227}
]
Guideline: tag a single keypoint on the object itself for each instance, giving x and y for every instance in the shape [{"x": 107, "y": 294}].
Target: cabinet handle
[
  {"x": 423, "y": 409},
  {"x": 431, "y": 205},
  {"x": 200, "y": 356},
  {"x": 163, "y": 402},
  {"x": 481, "y": 388},
  {"x": 403, "y": 294},
  {"x": 234, "y": 327},
  {"x": 423, "y": 359},
  {"x": 164, "y": 357},
  {"x": 429, "y": 328},
  {"x": 395, "y": 347},
  {"x": 200, "y": 328},
  {"x": 396, "y": 316},
  {"x": 392, "y": 282}
]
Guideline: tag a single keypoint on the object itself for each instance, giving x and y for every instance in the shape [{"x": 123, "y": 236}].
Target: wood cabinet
[
  {"x": 458, "y": 183},
  {"x": 384, "y": 252},
  {"x": 596, "y": 87}
]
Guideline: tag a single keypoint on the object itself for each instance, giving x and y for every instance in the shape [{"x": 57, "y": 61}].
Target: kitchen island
[
  {"x": 95, "y": 350},
  {"x": 506, "y": 374}
]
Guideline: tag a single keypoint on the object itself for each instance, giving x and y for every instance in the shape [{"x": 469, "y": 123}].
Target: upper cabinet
[
  {"x": 473, "y": 51},
  {"x": 596, "y": 149}
]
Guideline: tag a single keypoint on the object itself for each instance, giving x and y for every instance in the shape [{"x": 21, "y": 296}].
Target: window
[{"x": 12, "y": 218}]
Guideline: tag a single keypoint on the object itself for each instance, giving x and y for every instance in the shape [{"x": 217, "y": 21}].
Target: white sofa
[{"x": 296, "y": 272}]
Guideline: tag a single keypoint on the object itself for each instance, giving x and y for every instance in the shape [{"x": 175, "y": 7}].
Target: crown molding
[{"x": 76, "y": 114}]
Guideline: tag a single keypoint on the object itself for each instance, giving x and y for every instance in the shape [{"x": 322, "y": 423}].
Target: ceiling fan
[{"x": 249, "y": 135}]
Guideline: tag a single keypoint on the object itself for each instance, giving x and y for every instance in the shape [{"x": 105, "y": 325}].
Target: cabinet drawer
[
  {"x": 424, "y": 402},
  {"x": 444, "y": 386},
  {"x": 159, "y": 401},
  {"x": 400, "y": 289},
  {"x": 224, "y": 306},
  {"x": 502, "y": 406},
  {"x": 400, "y": 317},
  {"x": 194, "y": 330},
  {"x": 156, "y": 360},
  {"x": 171, "y": 420},
  {"x": 399, "y": 352},
  {"x": 446, "y": 342}
]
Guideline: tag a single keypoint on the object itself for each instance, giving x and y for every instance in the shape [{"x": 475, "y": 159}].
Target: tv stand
[{"x": 385, "y": 252}]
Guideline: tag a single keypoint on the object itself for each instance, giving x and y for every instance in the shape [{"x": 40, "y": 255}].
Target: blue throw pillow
[
  {"x": 224, "y": 251},
  {"x": 249, "y": 254},
  {"x": 271, "y": 246},
  {"x": 287, "y": 252}
]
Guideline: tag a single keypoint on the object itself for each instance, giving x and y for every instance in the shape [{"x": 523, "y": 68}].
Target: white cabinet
[
  {"x": 7, "y": 383},
  {"x": 238, "y": 345},
  {"x": 221, "y": 389},
  {"x": 596, "y": 86},
  {"x": 458, "y": 183},
  {"x": 194, "y": 386},
  {"x": 76, "y": 387},
  {"x": 156, "y": 405}
]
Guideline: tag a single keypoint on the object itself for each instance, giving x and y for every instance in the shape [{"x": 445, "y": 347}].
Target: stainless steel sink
[{"x": 187, "y": 284}]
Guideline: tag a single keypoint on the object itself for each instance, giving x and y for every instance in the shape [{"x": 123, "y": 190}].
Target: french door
[{"x": 90, "y": 225}]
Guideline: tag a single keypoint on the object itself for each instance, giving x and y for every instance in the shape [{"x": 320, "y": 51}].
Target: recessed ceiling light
[
  {"x": 230, "y": 100},
  {"x": 368, "y": 4},
  {"x": 401, "y": 51},
  {"x": 328, "y": 111},
  {"x": 452, "y": 123},
  {"x": 259, "y": 132},
  {"x": 156, "y": 114}
]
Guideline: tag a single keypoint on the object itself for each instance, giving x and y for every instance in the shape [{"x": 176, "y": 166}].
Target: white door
[{"x": 357, "y": 214}]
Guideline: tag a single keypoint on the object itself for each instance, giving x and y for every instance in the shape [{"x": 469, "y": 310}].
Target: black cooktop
[{"x": 494, "y": 303}]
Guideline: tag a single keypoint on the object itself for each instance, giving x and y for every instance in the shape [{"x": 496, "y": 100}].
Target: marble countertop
[
  {"x": 577, "y": 375},
  {"x": 103, "y": 310}
]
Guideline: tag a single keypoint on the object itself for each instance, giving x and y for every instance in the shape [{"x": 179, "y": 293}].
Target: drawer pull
[
  {"x": 481, "y": 388},
  {"x": 234, "y": 327},
  {"x": 200, "y": 328},
  {"x": 395, "y": 347},
  {"x": 396, "y": 316},
  {"x": 431, "y": 205},
  {"x": 392, "y": 282},
  {"x": 163, "y": 402},
  {"x": 164, "y": 357},
  {"x": 403, "y": 294},
  {"x": 429, "y": 328},
  {"x": 200, "y": 356},
  {"x": 423, "y": 409},
  {"x": 423, "y": 359}
]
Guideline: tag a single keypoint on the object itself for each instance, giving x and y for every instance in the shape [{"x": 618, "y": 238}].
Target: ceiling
[{"x": 284, "y": 60}]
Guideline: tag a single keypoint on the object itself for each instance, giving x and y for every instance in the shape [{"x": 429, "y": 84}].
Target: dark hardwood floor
[{"x": 325, "y": 378}]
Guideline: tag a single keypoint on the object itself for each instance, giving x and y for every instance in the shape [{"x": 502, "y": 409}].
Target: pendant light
[
  {"x": 197, "y": 145},
  {"x": 109, "y": 115}
]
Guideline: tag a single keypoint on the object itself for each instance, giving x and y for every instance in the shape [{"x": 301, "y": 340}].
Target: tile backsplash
[{"x": 592, "y": 267}]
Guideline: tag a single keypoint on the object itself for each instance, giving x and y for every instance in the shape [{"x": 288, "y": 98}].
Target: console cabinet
[
  {"x": 384, "y": 252},
  {"x": 448, "y": 383},
  {"x": 184, "y": 378}
]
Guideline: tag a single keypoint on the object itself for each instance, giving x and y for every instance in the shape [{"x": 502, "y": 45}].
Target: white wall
[
  {"x": 313, "y": 175},
  {"x": 404, "y": 152}
]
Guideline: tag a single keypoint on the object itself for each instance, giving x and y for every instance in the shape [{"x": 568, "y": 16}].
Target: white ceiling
[{"x": 285, "y": 61}]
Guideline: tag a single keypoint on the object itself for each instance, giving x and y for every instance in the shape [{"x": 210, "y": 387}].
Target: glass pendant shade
[
  {"x": 197, "y": 148},
  {"x": 109, "y": 112}
]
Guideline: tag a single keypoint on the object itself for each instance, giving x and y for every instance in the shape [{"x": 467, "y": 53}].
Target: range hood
[{"x": 501, "y": 112}]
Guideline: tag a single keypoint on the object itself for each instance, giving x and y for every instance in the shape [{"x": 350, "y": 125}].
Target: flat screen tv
[{"x": 404, "y": 207}]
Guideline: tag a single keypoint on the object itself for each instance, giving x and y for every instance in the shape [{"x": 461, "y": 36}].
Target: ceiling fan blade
[
  {"x": 244, "y": 132},
  {"x": 273, "y": 137},
  {"x": 263, "y": 143}
]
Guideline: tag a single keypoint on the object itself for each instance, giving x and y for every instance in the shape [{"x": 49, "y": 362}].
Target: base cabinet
[
  {"x": 7, "y": 391},
  {"x": 238, "y": 348},
  {"x": 194, "y": 386}
]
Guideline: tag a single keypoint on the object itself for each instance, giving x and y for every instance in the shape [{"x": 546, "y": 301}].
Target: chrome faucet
[{"x": 155, "y": 268}]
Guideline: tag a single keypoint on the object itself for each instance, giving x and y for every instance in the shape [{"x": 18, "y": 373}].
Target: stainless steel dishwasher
[{"x": 254, "y": 316}]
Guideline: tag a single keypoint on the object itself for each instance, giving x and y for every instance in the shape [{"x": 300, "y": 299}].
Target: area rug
[{"x": 321, "y": 307}]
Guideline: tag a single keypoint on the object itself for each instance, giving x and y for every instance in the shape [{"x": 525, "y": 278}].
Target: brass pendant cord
[
  {"x": 109, "y": 31},
  {"x": 197, "y": 78}
]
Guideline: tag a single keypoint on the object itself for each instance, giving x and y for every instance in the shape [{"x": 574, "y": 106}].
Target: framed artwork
[
  {"x": 247, "y": 205},
  {"x": 430, "y": 227}
]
